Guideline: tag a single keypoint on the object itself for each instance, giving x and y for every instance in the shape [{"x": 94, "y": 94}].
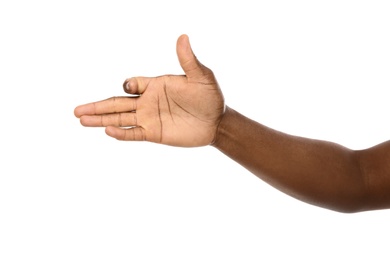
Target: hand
[{"x": 177, "y": 110}]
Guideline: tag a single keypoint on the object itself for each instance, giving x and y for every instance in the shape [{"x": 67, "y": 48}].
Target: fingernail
[{"x": 126, "y": 84}]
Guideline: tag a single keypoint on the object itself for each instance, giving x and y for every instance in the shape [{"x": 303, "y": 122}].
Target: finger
[
  {"x": 136, "y": 85},
  {"x": 118, "y": 119},
  {"x": 187, "y": 59},
  {"x": 131, "y": 134},
  {"x": 111, "y": 105}
]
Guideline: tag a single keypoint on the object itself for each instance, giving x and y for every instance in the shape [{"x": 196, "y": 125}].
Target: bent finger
[
  {"x": 107, "y": 106},
  {"x": 136, "y": 85},
  {"x": 129, "y": 134}
]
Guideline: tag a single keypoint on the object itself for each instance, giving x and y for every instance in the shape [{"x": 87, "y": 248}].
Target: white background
[{"x": 318, "y": 69}]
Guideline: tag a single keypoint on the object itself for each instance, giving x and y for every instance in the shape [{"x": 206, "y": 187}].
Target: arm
[
  {"x": 189, "y": 111},
  {"x": 317, "y": 172}
]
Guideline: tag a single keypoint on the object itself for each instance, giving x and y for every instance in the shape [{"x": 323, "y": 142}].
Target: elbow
[{"x": 356, "y": 196}]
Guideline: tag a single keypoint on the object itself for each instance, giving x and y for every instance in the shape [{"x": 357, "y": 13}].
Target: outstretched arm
[
  {"x": 314, "y": 171},
  {"x": 189, "y": 110}
]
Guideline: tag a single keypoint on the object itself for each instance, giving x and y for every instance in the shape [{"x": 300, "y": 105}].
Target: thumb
[{"x": 187, "y": 59}]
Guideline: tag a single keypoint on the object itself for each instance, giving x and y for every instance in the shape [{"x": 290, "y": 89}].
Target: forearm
[{"x": 317, "y": 172}]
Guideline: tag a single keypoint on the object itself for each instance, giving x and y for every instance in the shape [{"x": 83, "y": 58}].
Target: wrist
[{"x": 222, "y": 127}]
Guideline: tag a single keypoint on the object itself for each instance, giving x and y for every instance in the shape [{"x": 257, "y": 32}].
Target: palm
[{"x": 175, "y": 112}]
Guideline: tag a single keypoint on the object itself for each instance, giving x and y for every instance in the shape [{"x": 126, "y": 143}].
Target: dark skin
[{"x": 189, "y": 111}]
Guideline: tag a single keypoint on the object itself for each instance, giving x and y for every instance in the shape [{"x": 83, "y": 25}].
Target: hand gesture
[{"x": 177, "y": 110}]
